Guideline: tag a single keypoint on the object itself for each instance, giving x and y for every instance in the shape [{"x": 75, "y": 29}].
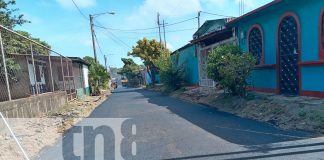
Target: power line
[
  {"x": 77, "y": 7},
  {"x": 149, "y": 28},
  {"x": 215, "y": 14},
  {"x": 121, "y": 41},
  {"x": 171, "y": 24},
  {"x": 97, "y": 41},
  {"x": 179, "y": 30}
]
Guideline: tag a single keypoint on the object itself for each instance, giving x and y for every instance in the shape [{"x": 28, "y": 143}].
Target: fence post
[
  {"x": 5, "y": 67},
  {"x": 68, "y": 72},
  {"x": 51, "y": 71},
  {"x": 73, "y": 77},
  {"x": 34, "y": 69},
  {"x": 63, "y": 77}
]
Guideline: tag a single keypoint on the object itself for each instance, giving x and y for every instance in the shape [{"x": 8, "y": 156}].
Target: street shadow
[
  {"x": 125, "y": 90},
  {"x": 261, "y": 150},
  {"x": 227, "y": 126}
]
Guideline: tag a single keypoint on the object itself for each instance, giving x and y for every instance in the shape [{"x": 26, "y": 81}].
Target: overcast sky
[{"x": 60, "y": 24}]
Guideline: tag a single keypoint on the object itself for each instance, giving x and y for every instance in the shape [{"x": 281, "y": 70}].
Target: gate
[
  {"x": 203, "y": 61},
  {"x": 288, "y": 46}
]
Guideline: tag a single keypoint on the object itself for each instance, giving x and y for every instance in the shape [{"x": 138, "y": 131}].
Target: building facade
[
  {"x": 287, "y": 39},
  {"x": 187, "y": 58},
  {"x": 210, "y": 35},
  {"x": 81, "y": 76}
]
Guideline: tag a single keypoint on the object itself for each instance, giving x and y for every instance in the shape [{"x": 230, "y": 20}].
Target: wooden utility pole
[
  {"x": 198, "y": 17},
  {"x": 93, "y": 38},
  {"x": 158, "y": 22},
  {"x": 164, "y": 35},
  {"x": 106, "y": 62}
]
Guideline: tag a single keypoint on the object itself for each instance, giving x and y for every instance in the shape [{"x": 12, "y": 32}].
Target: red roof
[{"x": 274, "y": 2}]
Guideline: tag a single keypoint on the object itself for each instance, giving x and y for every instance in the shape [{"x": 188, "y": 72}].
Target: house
[
  {"x": 210, "y": 35},
  {"x": 81, "y": 76},
  {"x": 24, "y": 83},
  {"x": 187, "y": 57},
  {"x": 287, "y": 39}
]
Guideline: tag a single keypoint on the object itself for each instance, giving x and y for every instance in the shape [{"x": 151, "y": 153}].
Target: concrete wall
[
  {"x": 189, "y": 60},
  {"x": 33, "y": 106},
  {"x": 308, "y": 12}
]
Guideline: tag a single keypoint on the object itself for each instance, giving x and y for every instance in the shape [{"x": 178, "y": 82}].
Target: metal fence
[{"x": 29, "y": 68}]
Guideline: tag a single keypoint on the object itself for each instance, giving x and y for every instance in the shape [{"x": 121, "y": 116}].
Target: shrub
[
  {"x": 98, "y": 76},
  {"x": 229, "y": 66},
  {"x": 171, "y": 73}
]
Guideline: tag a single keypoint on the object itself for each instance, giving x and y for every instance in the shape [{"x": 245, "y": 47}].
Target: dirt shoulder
[
  {"x": 37, "y": 133},
  {"x": 300, "y": 113}
]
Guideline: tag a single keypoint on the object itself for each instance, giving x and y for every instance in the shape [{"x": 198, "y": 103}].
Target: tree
[
  {"x": 98, "y": 76},
  {"x": 7, "y": 16},
  {"x": 171, "y": 72},
  {"x": 229, "y": 66},
  {"x": 13, "y": 43},
  {"x": 132, "y": 71},
  {"x": 149, "y": 51}
]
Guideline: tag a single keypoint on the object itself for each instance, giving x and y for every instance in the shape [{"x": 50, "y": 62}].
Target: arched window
[{"x": 256, "y": 43}]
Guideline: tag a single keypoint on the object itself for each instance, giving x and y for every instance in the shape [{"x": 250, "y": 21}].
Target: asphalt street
[{"x": 168, "y": 128}]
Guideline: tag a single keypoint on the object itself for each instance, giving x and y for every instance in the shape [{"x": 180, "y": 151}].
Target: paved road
[{"x": 167, "y": 128}]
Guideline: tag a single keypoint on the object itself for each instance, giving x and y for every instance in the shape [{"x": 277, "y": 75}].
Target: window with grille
[
  {"x": 256, "y": 44},
  {"x": 322, "y": 30}
]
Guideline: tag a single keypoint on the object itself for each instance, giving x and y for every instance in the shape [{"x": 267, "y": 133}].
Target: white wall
[{"x": 85, "y": 70}]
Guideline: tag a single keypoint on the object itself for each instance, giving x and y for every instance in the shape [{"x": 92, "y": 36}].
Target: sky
[{"x": 59, "y": 23}]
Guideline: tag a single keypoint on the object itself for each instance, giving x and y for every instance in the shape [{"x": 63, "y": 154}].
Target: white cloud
[
  {"x": 145, "y": 15},
  {"x": 219, "y": 3},
  {"x": 173, "y": 8},
  {"x": 80, "y": 3}
]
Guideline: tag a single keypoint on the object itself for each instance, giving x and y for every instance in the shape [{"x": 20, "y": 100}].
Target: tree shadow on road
[{"x": 227, "y": 126}]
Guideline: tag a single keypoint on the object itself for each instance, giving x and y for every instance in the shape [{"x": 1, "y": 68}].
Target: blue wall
[
  {"x": 187, "y": 57},
  {"x": 308, "y": 12}
]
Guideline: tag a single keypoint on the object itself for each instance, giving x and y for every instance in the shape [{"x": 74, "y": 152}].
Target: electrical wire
[
  {"x": 180, "y": 30},
  {"x": 171, "y": 24},
  {"x": 77, "y": 7},
  {"x": 112, "y": 34},
  {"x": 149, "y": 28},
  {"x": 97, "y": 41},
  {"x": 215, "y": 14}
]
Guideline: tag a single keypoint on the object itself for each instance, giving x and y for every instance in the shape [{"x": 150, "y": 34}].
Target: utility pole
[
  {"x": 164, "y": 35},
  {"x": 158, "y": 22},
  {"x": 91, "y": 16},
  {"x": 106, "y": 62},
  {"x": 93, "y": 38},
  {"x": 199, "y": 13}
]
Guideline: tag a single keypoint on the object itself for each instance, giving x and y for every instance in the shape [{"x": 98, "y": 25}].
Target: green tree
[
  {"x": 171, "y": 72},
  {"x": 149, "y": 51},
  {"x": 13, "y": 43},
  {"x": 229, "y": 66},
  {"x": 132, "y": 72},
  {"x": 7, "y": 16},
  {"x": 98, "y": 76}
]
